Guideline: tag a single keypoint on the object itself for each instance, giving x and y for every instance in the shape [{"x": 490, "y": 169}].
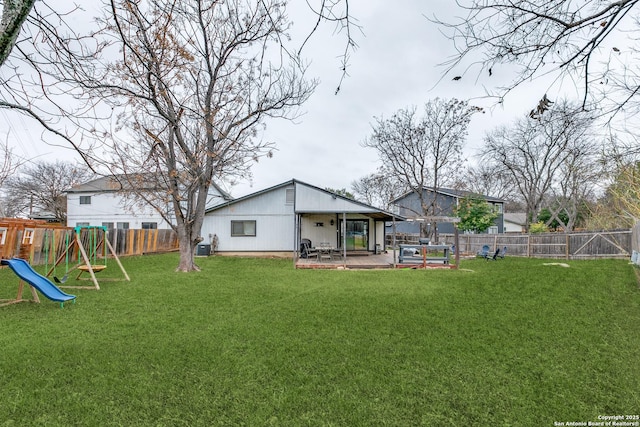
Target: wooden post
[
  {"x": 456, "y": 242},
  {"x": 19, "y": 298},
  {"x": 113, "y": 252},
  {"x": 87, "y": 261}
]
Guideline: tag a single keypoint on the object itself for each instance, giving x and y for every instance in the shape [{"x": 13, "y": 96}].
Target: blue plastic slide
[{"x": 24, "y": 271}]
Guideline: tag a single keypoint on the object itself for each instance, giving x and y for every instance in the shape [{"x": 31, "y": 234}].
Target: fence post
[{"x": 567, "y": 240}]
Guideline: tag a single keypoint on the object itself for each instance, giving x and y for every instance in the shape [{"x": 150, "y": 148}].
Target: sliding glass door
[{"x": 357, "y": 233}]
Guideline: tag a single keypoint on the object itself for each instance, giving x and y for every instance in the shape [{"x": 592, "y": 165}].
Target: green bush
[{"x": 538, "y": 227}]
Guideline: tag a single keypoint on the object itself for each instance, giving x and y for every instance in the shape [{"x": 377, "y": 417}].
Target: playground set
[{"x": 85, "y": 249}]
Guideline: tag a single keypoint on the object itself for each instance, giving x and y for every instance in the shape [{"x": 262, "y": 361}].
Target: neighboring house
[
  {"x": 276, "y": 219},
  {"x": 104, "y": 201},
  {"x": 408, "y": 206},
  {"x": 515, "y": 222},
  {"x": 47, "y": 216}
]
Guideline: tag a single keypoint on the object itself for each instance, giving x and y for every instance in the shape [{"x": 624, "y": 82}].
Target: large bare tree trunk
[{"x": 188, "y": 244}]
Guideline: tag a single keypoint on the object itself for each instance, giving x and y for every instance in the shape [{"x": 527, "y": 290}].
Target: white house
[
  {"x": 515, "y": 222},
  {"x": 104, "y": 201},
  {"x": 276, "y": 219}
]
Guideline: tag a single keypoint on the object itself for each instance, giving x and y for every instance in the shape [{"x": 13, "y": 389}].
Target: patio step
[{"x": 358, "y": 253}]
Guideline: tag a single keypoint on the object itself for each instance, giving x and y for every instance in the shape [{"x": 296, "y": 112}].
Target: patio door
[{"x": 357, "y": 232}]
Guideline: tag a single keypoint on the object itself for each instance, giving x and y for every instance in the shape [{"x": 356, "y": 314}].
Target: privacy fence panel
[
  {"x": 44, "y": 244},
  {"x": 578, "y": 245}
]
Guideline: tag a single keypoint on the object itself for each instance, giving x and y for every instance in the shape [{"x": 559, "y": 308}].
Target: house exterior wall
[
  {"x": 313, "y": 204},
  {"x": 274, "y": 220},
  {"x": 310, "y": 229},
  {"x": 410, "y": 204},
  {"x": 278, "y": 211},
  {"x": 515, "y": 222},
  {"x": 512, "y": 227},
  {"x": 309, "y": 199},
  {"x": 108, "y": 208},
  {"x": 113, "y": 207}
]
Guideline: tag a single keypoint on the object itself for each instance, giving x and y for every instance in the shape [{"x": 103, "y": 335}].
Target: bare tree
[
  {"x": 335, "y": 12},
  {"x": 37, "y": 43},
  {"x": 8, "y": 162},
  {"x": 193, "y": 86},
  {"x": 576, "y": 181},
  {"x": 545, "y": 153},
  {"x": 488, "y": 179},
  {"x": 424, "y": 152},
  {"x": 32, "y": 85},
  {"x": 41, "y": 186},
  {"x": 585, "y": 41},
  {"x": 379, "y": 189}
]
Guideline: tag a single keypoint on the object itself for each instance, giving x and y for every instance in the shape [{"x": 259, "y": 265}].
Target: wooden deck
[{"x": 361, "y": 261}]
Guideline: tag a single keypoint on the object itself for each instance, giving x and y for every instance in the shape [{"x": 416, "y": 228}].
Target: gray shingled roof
[
  {"x": 455, "y": 193},
  {"x": 115, "y": 183}
]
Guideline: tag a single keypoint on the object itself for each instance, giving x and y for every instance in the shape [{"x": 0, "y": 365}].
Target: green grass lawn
[{"x": 257, "y": 343}]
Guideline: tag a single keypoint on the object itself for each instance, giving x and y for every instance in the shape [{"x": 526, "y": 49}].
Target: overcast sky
[{"x": 396, "y": 65}]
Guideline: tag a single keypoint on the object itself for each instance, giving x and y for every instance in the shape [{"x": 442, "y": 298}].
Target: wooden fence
[
  {"x": 579, "y": 245},
  {"x": 42, "y": 243}
]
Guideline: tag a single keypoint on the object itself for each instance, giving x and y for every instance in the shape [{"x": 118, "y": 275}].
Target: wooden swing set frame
[
  {"x": 88, "y": 267},
  {"x": 18, "y": 299}
]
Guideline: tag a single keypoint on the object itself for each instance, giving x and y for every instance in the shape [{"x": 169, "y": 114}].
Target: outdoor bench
[{"x": 413, "y": 253}]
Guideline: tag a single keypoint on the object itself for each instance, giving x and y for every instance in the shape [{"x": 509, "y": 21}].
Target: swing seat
[
  {"x": 61, "y": 279},
  {"x": 95, "y": 268}
]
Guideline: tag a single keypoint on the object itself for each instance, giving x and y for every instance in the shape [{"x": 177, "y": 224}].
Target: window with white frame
[
  {"x": 493, "y": 229},
  {"x": 123, "y": 225},
  {"x": 243, "y": 228},
  {"x": 149, "y": 225},
  {"x": 85, "y": 200},
  {"x": 3, "y": 235},
  {"x": 27, "y": 236}
]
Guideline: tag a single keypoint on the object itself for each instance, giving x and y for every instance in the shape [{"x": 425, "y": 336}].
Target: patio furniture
[
  {"x": 306, "y": 250},
  {"x": 325, "y": 251},
  {"x": 494, "y": 257},
  {"x": 498, "y": 254},
  {"x": 337, "y": 253},
  {"x": 484, "y": 253},
  {"x": 420, "y": 253}
]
